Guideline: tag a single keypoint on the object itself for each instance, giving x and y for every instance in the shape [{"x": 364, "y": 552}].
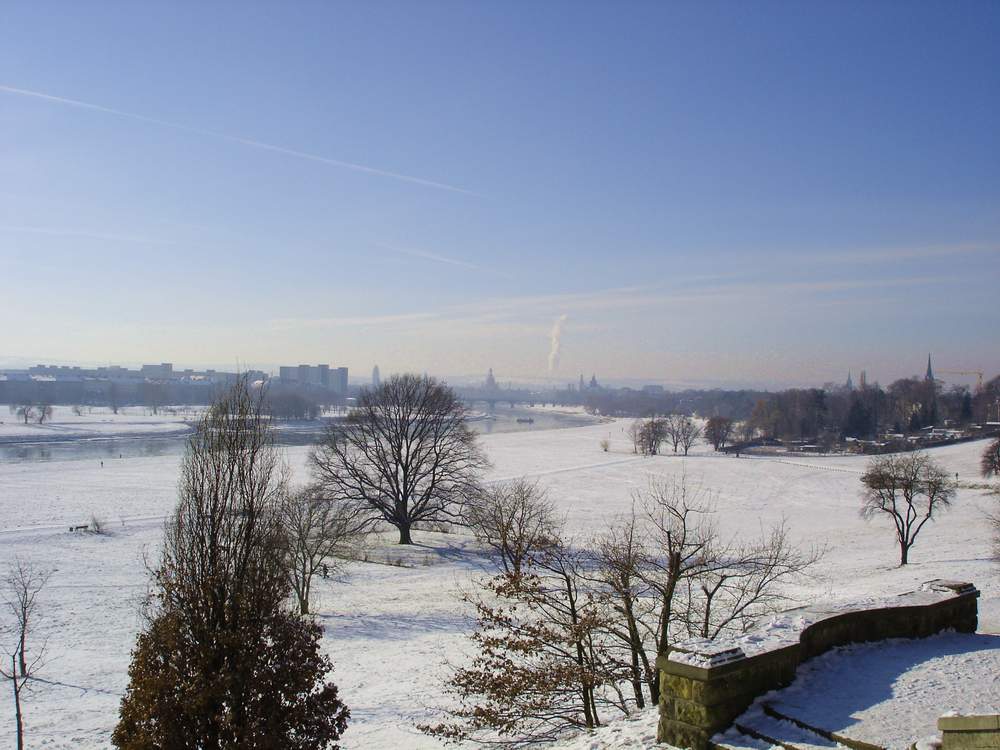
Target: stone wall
[
  {"x": 705, "y": 685},
  {"x": 970, "y": 732}
]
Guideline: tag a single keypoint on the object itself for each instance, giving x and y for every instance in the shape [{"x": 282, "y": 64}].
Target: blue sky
[{"x": 710, "y": 192}]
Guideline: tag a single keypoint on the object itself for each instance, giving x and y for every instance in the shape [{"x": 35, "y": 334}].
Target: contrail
[
  {"x": 236, "y": 139},
  {"x": 554, "y": 339}
]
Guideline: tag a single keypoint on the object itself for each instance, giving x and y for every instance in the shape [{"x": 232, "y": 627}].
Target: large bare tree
[
  {"x": 909, "y": 488},
  {"x": 22, "y": 585},
  {"x": 405, "y": 455}
]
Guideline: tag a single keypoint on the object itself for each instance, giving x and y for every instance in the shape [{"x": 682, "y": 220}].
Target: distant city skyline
[
  {"x": 768, "y": 194},
  {"x": 359, "y": 377}
]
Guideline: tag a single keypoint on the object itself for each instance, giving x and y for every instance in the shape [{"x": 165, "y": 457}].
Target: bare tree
[
  {"x": 989, "y": 465},
  {"x": 910, "y": 489},
  {"x": 690, "y": 434},
  {"x": 23, "y": 583},
  {"x": 672, "y": 428},
  {"x": 718, "y": 430},
  {"x": 515, "y": 519},
  {"x": 647, "y": 435},
  {"x": 622, "y": 554},
  {"x": 114, "y": 397},
  {"x": 745, "y": 430},
  {"x": 317, "y": 531},
  {"x": 684, "y": 579},
  {"x": 738, "y": 583},
  {"x": 44, "y": 412},
  {"x": 222, "y": 662},
  {"x": 635, "y": 435},
  {"x": 682, "y": 532},
  {"x": 406, "y": 455},
  {"x": 26, "y": 411},
  {"x": 653, "y": 434}
]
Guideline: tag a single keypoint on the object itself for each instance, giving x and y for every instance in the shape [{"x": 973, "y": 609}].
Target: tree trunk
[
  {"x": 17, "y": 706},
  {"x": 404, "y": 533},
  {"x": 904, "y": 553},
  {"x": 653, "y": 684},
  {"x": 22, "y": 660}
]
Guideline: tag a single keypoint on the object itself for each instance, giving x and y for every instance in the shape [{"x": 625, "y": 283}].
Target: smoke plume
[{"x": 554, "y": 343}]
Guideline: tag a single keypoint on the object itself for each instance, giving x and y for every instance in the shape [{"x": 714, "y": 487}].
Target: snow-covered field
[
  {"x": 389, "y": 629},
  {"x": 94, "y": 422}
]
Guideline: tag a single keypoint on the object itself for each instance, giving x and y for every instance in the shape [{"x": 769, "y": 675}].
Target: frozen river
[{"x": 73, "y": 446}]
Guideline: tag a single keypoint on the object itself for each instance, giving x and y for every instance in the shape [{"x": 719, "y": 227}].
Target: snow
[
  {"x": 630, "y": 733},
  {"x": 785, "y": 628},
  {"x": 391, "y": 629},
  {"x": 891, "y": 693},
  {"x": 93, "y": 422}
]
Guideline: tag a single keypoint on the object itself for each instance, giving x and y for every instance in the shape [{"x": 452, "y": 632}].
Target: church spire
[
  {"x": 850, "y": 383},
  {"x": 930, "y": 372}
]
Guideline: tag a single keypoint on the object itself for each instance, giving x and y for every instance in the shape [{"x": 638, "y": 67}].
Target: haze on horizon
[{"x": 769, "y": 193}]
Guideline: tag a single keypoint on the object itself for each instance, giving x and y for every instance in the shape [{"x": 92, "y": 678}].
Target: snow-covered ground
[
  {"x": 97, "y": 421},
  {"x": 390, "y": 629},
  {"x": 892, "y": 693}
]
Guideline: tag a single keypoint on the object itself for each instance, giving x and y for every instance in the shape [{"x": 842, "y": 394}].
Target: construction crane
[{"x": 977, "y": 373}]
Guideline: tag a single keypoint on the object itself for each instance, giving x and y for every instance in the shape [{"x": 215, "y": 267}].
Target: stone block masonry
[{"x": 970, "y": 732}]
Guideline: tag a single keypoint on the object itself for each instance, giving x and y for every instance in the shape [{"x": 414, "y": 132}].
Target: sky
[{"x": 767, "y": 193}]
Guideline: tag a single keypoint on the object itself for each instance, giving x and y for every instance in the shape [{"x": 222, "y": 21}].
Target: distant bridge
[{"x": 472, "y": 395}]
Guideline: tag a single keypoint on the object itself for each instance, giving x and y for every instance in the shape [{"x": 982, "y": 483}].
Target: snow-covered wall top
[{"x": 786, "y": 628}]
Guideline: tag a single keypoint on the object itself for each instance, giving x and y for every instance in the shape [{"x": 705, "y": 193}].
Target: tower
[
  {"x": 930, "y": 373},
  {"x": 376, "y": 377},
  {"x": 582, "y": 386},
  {"x": 491, "y": 383},
  {"x": 850, "y": 383}
]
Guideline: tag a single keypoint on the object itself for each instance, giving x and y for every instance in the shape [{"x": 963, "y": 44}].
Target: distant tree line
[
  {"x": 907, "y": 405},
  {"x": 825, "y": 414},
  {"x": 288, "y": 401},
  {"x": 736, "y": 405}
]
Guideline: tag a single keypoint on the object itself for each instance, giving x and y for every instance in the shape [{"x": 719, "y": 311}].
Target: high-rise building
[
  {"x": 376, "y": 377},
  {"x": 322, "y": 376},
  {"x": 338, "y": 380}
]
